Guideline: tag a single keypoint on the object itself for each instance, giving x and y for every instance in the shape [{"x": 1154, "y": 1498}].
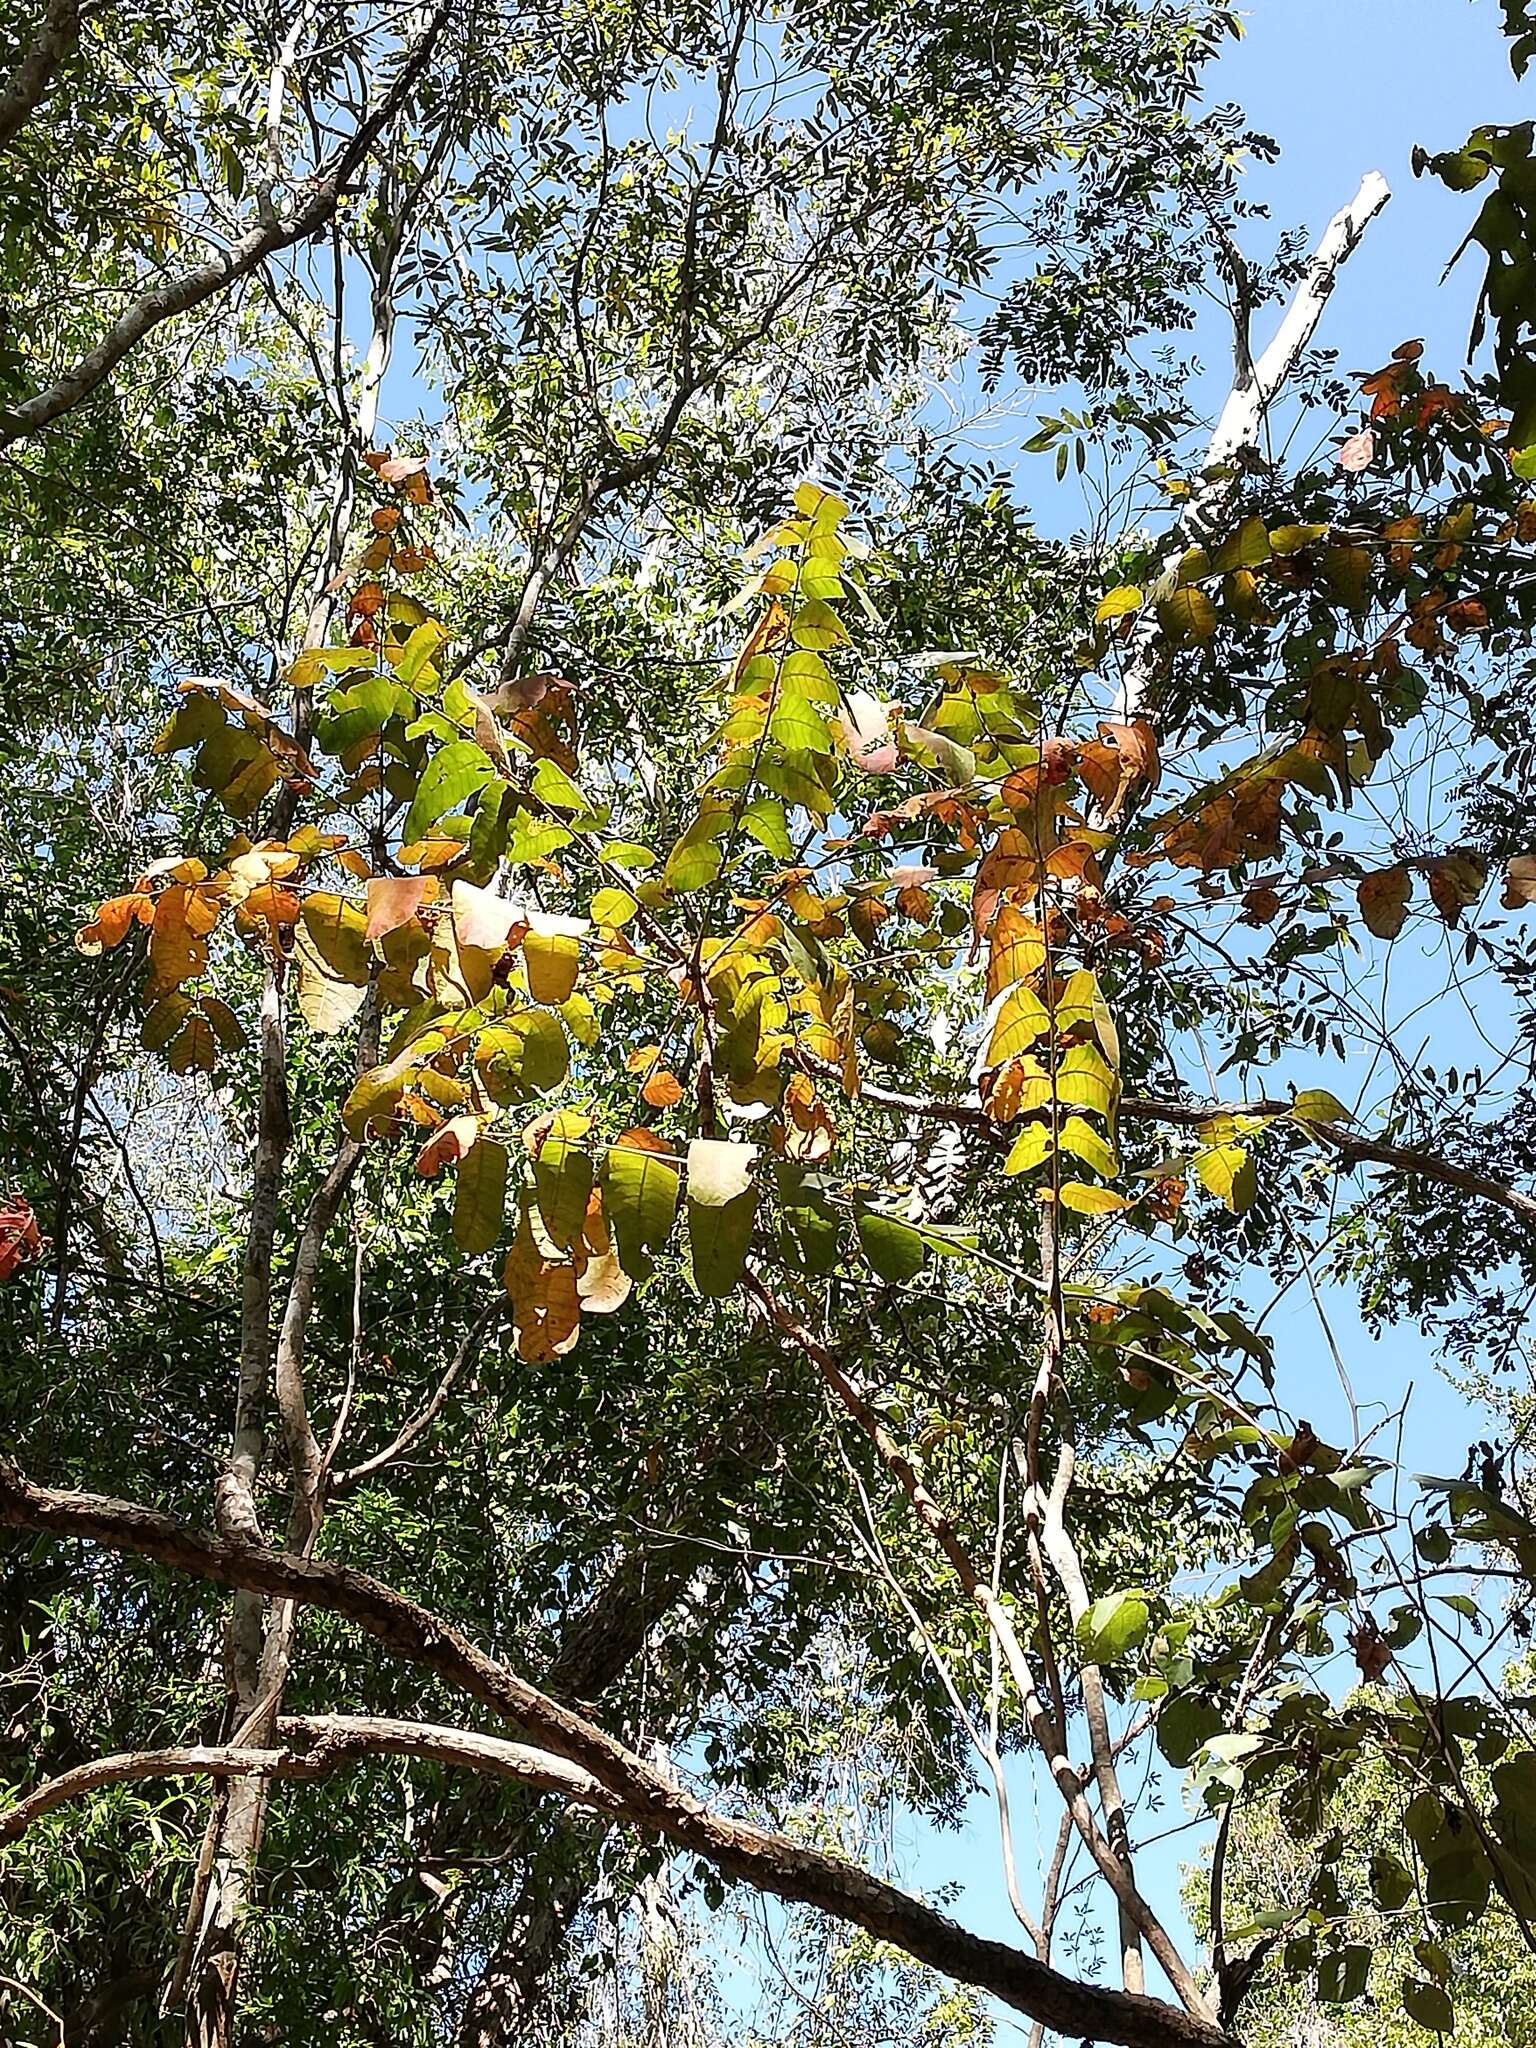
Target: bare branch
[
  {"x": 1044, "y": 1725},
  {"x": 313, "y": 1744},
  {"x": 768, "y": 1862},
  {"x": 1240, "y": 427}
]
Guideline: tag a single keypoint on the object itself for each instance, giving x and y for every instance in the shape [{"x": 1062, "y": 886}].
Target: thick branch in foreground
[
  {"x": 318, "y": 199},
  {"x": 768, "y": 1862},
  {"x": 312, "y": 1746}
]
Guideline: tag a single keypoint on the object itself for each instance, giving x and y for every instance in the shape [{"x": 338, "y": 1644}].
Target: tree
[{"x": 709, "y": 1213}]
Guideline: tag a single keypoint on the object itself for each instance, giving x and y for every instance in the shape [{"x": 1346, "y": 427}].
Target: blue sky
[{"x": 1348, "y": 86}]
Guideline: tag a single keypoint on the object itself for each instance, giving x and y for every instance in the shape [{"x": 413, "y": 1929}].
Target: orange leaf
[
  {"x": 113, "y": 922},
  {"x": 663, "y": 1090},
  {"x": 447, "y": 1146}
]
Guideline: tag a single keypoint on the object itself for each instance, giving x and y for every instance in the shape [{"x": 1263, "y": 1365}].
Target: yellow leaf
[
  {"x": 1124, "y": 598},
  {"x": 1089, "y": 1200}
]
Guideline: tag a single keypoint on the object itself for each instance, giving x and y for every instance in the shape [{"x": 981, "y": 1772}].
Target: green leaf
[
  {"x": 1031, "y": 1148},
  {"x": 1022, "y": 1019},
  {"x": 1429, "y": 2005},
  {"x": 376, "y": 1094},
  {"x": 1085, "y": 1077},
  {"x": 338, "y": 930},
  {"x": 1343, "y": 1974},
  {"x": 1112, "y": 1627},
  {"x": 1188, "y": 616},
  {"x": 642, "y": 1188},
  {"x": 811, "y": 1223},
  {"x": 1249, "y": 548},
  {"x": 817, "y": 626},
  {"x": 797, "y": 724},
  {"x": 453, "y": 775},
  {"x": 521, "y": 1056},
  {"x": 562, "y": 1181},
  {"x": 764, "y": 820},
  {"x": 1290, "y": 540},
  {"x": 1088, "y": 1200},
  {"x": 1318, "y": 1106},
  {"x": 551, "y": 785},
  {"x": 1228, "y": 1172},
  {"x": 695, "y": 860},
  {"x": 1391, "y": 1881},
  {"x": 1185, "y": 1725},
  {"x": 894, "y": 1249},
  {"x": 420, "y": 651},
  {"x": 719, "y": 1232},
  {"x": 163, "y": 1020},
  {"x": 479, "y": 1196},
  {"x": 1084, "y": 1142}
]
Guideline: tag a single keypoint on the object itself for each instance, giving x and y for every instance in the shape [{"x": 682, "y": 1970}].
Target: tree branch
[
  {"x": 57, "y": 34},
  {"x": 312, "y": 1745},
  {"x": 1044, "y": 1726},
  {"x": 319, "y": 197},
  {"x": 1240, "y": 427},
  {"x": 1353, "y": 1148},
  {"x": 768, "y": 1862}
]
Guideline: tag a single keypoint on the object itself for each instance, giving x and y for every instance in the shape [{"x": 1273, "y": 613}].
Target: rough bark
[{"x": 53, "y": 44}]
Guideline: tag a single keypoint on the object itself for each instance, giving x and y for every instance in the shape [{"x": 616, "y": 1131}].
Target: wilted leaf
[
  {"x": 552, "y": 954},
  {"x": 1125, "y": 597},
  {"x": 1455, "y": 881},
  {"x": 1384, "y": 899},
  {"x": 447, "y": 1145},
  {"x": 1519, "y": 882},
  {"x": 113, "y": 922},
  {"x": 1188, "y": 615},
  {"x": 484, "y": 920},
  {"x": 867, "y": 728}
]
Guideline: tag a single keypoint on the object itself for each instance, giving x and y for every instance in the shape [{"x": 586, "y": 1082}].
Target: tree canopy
[{"x": 670, "y": 1067}]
